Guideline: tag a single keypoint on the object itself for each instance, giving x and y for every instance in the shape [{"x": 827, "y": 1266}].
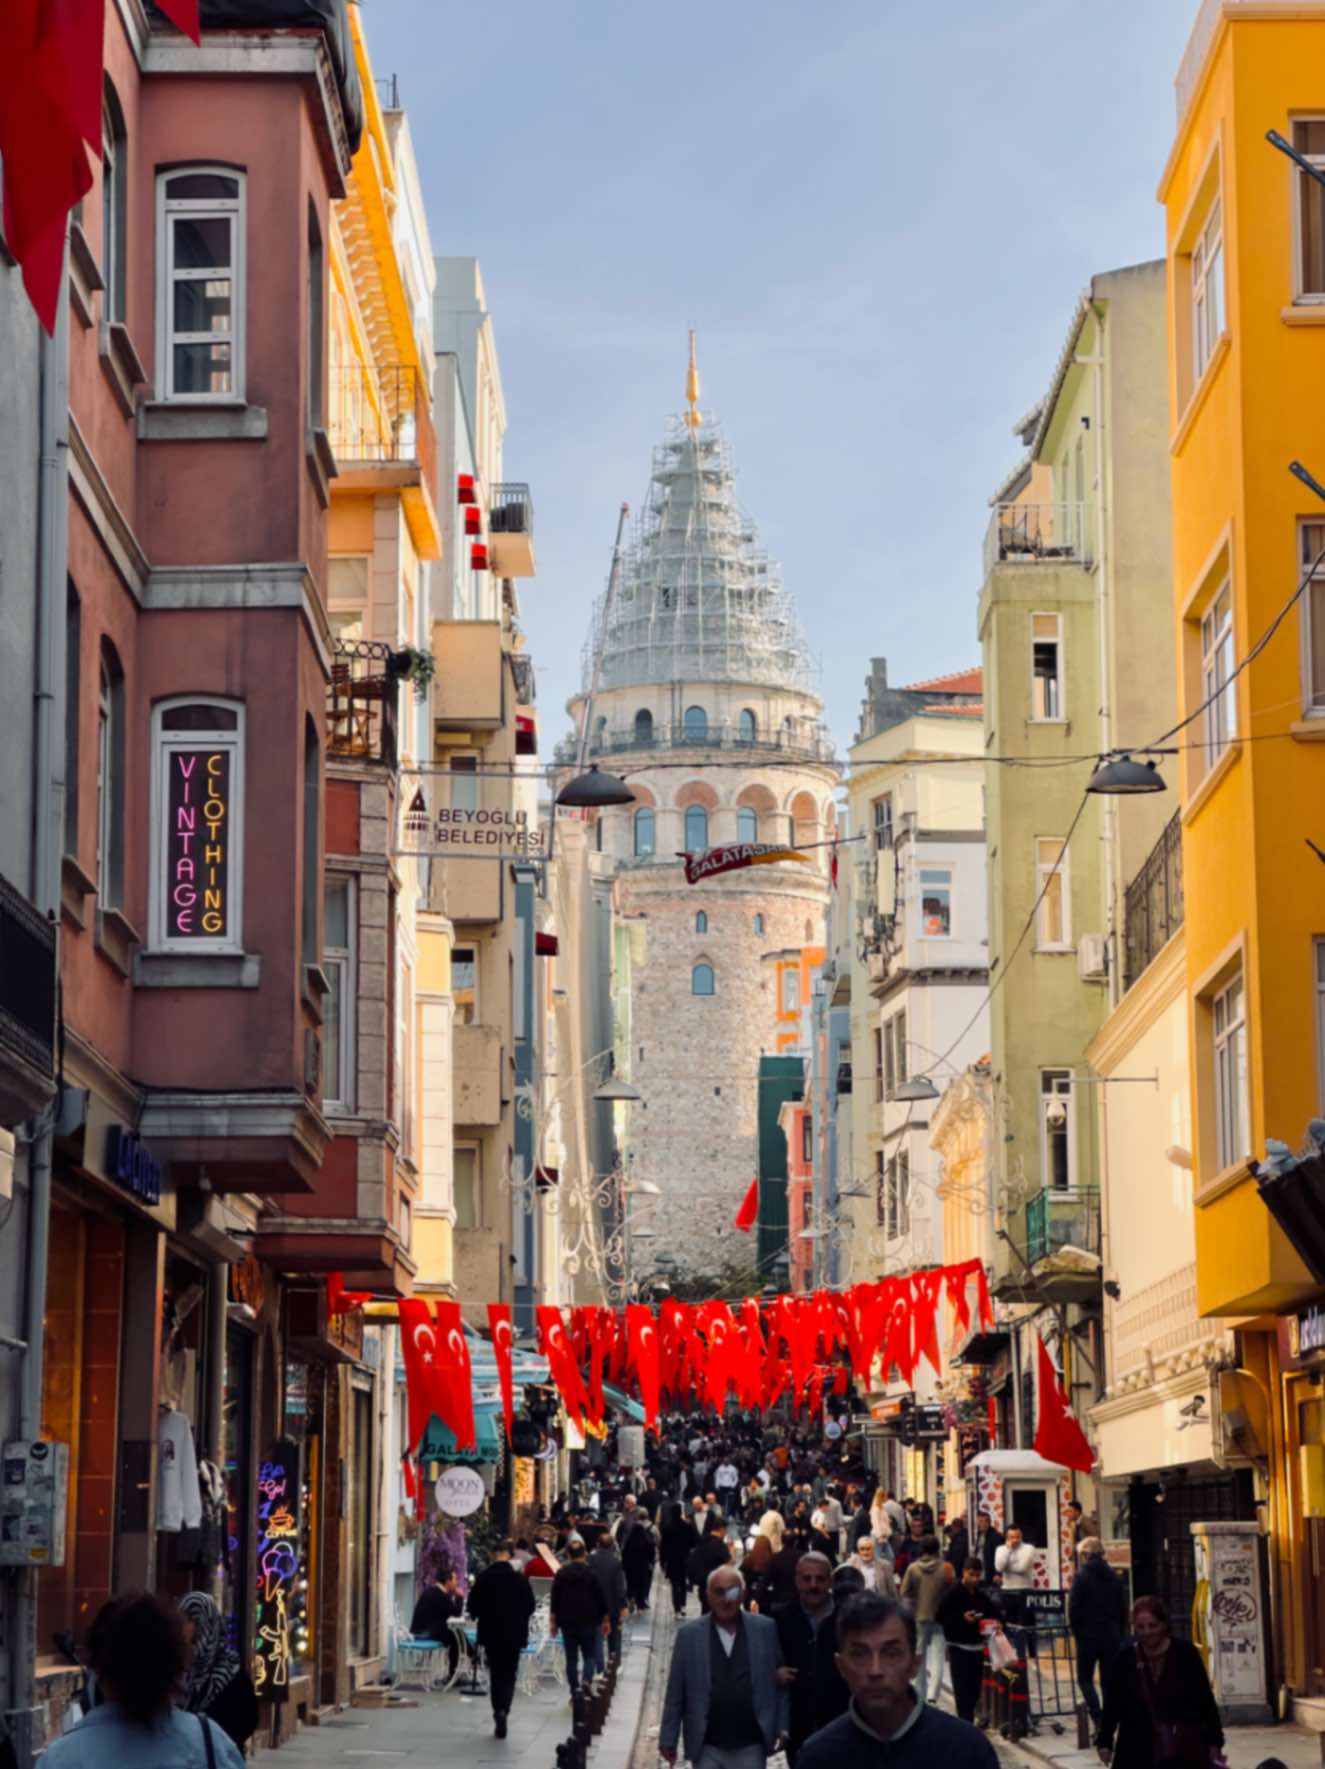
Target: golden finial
[{"x": 693, "y": 417}]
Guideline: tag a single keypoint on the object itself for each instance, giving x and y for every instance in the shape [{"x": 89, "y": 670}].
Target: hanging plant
[{"x": 414, "y": 666}]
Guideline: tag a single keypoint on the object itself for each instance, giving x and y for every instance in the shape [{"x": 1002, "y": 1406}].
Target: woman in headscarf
[
  {"x": 218, "y": 1685},
  {"x": 757, "y": 1564}
]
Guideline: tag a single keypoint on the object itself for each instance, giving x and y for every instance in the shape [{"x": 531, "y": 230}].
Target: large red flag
[
  {"x": 499, "y": 1319},
  {"x": 748, "y": 1214},
  {"x": 642, "y": 1332},
  {"x": 455, "y": 1375},
  {"x": 561, "y": 1362},
  {"x": 1058, "y": 1437},
  {"x": 184, "y": 14},
  {"x": 418, "y": 1344}
]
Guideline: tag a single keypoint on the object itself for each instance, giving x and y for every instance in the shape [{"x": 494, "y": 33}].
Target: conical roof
[{"x": 697, "y": 599}]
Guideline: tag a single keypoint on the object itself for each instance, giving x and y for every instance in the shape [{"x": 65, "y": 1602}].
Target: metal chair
[{"x": 418, "y": 1659}]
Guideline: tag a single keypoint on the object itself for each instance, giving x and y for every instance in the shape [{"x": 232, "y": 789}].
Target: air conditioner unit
[{"x": 1092, "y": 958}]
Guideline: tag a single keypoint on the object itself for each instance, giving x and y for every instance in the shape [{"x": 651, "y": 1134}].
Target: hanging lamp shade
[
  {"x": 595, "y": 791},
  {"x": 918, "y": 1088},
  {"x": 1121, "y": 776}
]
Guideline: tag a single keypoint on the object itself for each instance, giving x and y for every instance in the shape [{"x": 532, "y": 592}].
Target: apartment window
[
  {"x": 110, "y": 780},
  {"x": 702, "y": 980},
  {"x": 1046, "y": 666},
  {"x": 1053, "y": 928},
  {"x": 807, "y": 1140},
  {"x": 464, "y": 984},
  {"x": 196, "y": 899},
  {"x": 759, "y": 924},
  {"x": 1311, "y": 545},
  {"x": 879, "y": 1080},
  {"x": 114, "y": 204},
  {"x": 338, "y": 1004},
  {"x": 894, "y": 1052},
  {"x": 200, "y": 299},
  {"x": 696, "y": 725},
  {"x": 791, "y": 990},
  {"x": 898, "y": 1200},
  {"x": 465, "y": 1176},
  {"x": 1309, "y": 140},
  {"x": 1232, "y": 1113},
  {"x": 701, "y": 923},
  {"x": 644, "y": 728},
  {"x": 882, "y": 809},
  {"x": 312, "y": 858},
  {"x": 1220, "y": 718},
  {"x": 464, "y": 782},
  {"x": 880, "y": 1188},
  {"x": 747, "y": 727},
  {"x": 317, "y": 326},
  {"x": 405, "y": 1064},
  {"x": 72, "y": 706},
  {"x": 935, "y": 902},
  {"x": 747, "y": 825},
  {"x": 347, "y": 596},
  {"x": 697, "y": 829},
  {"x": 1207, "y": 271},
  {"x": 1057, "y": 1166},
  {"x": 646, "y": 837}
]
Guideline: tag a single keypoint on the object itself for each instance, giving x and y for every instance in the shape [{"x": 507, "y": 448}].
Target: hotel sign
[{"x": 198, "y": 844}]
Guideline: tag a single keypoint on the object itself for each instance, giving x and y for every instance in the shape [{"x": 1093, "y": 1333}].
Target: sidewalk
[
  {"x": 457, "y": 1728},
  {"x": 1245, "y": 1746}
]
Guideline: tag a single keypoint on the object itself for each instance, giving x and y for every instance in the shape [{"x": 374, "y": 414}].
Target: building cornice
[
  {"x": 1163, "y": 982},
  {"x": 113, "y": 527},
  {"x": 282, "y": 585}
]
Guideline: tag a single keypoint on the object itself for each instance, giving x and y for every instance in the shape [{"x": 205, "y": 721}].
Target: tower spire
[{"x": 693, "y": 417}]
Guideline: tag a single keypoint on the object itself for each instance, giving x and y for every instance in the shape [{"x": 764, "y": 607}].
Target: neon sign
[
  {"x": 198, "y": 844},
  {"x": 278, "y": 1570}
]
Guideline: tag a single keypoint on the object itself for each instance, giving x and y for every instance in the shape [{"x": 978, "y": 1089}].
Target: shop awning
[
  {"x": 623, "y": 1403},
  {"x": 1294, "y": 1194},
  {"x": 982, "y": 1346},
  {"x": 439, "y": 1443}
]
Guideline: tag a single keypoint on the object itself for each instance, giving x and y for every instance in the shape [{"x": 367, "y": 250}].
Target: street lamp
[
  {"x": 595, "y": 791},
  {"x": 1120, "y": 776},
  {"x": 919, "y": 1087},
  {"x": 617, "y": 1092}
]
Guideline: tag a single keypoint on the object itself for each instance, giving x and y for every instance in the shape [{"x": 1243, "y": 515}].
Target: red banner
[
  {"x": 499, "y": 1322},
  {"x": 734, "y": 857}
]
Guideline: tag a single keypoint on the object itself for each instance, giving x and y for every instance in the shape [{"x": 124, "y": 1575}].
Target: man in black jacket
[
  {"x": 432, "y": 1614},
  {"x": 963, "y": 1608},
  {"x": 501, "y": 1602},
  {"x": 635, "y": 1540},
  {"x": 988, "y": 1541},
  {"x": 579, "y": 1615},
  {"x": 711, "y": 1553},
  {"x": 800, "y": 1625},
  {"x": 1097, "y": 1616},
  {"x": 605, "y": 1565}
]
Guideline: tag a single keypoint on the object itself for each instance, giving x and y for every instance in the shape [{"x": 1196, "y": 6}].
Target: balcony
[
  {"x": 362, "y": 698},
  {"x": 511, "y": 531},
  {"x": 27, "y": 1007},
  {"x": 381, "y": 432},
  {"x": 1036, "y": 534},
  {"x": 1060, "y": 1254},
  {"x": 476, "y": 1067},
  {"x": 468, "y": 687},
  {"x": 1152, "y": 903},
  {"x": 806, "y": 746}
]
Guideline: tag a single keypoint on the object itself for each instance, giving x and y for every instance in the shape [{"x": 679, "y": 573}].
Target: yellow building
[{"x": 1246, "y": 264}]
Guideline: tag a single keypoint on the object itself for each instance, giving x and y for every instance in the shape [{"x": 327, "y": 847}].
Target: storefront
[{"x": 1301, "y": 1351}]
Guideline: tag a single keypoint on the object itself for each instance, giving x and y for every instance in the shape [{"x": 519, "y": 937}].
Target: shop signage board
[
  {"x": 198, "y": 845},
  {"x": 1302, "y": 1338},
  {"x": 130, "y": 1163},
  {"x": 278, "y": 1497},
  {"x": 460, "y": 1491},
  {"x": 34, "y": 1494},
  {"x": 485, "y": 825}
]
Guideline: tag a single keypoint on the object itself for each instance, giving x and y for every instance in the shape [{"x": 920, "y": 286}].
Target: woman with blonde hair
[{"x": 757, "y": 1564}]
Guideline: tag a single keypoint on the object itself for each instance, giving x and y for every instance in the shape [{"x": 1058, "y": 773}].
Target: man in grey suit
[{"x": 724, "y": 1697}]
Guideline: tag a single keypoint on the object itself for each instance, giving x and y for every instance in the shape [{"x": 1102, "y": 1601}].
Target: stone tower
[{"x": 698, "y": 691}]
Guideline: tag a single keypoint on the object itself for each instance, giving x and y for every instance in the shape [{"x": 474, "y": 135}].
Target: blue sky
[{"x": 877, "y": 215}]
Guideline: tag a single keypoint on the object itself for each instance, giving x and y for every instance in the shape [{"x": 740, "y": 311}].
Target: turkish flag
[
  {"x": 1058, "y": 1436},
  {"x": 897, "y": 1347},
  {"x": 928, "y": 1287},
  {"x": 642, "y": 1334},
  {"x": 418, "y": 1344},
  {"x": 499, "y": 1319},
  {"x": 748, "y": 1214},
  {"x": 561, "y": 1362},
  {"x": 455, "y": 1375},
  {"x": 184, "y": 15}
]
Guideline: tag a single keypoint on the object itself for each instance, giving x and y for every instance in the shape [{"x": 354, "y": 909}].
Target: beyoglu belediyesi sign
[
  {"x": 459, "y": 832},
  {"x": 198, "y": 844}
]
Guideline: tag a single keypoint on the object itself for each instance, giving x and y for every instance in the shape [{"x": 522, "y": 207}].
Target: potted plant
[{"x": 415, "y": 666}]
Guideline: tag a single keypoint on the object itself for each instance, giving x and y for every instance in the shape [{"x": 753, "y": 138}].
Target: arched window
[
  {"x": 747, "y": 825},
  {"x": 745, "y": 726},
  {"x": 110, "y": 780},
  {"x": 701, "y": 923},
  {"x": 200, "y": 284},
  {"x": 696, "y": 725},
  {"x": 114, "y": 203},
  {"x": 759, "y": 924},
  {"x": 701, "y": 980},
  {"x": 697, "y": 829},
  {"x": 644, "y": 728},
  {"x": 646, "y": 837}
]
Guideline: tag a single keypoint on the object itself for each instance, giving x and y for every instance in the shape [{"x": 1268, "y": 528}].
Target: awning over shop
[
  {"x": 623, "y": 1403},
  {"x": 982, "y": 1345},
  {"x": 439, "y": 1443}
]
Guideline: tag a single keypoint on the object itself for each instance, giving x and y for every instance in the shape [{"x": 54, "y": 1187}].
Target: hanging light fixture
[
  {"x": 595, "y": 791},
  {"x": 1120, "y": 775},
  {"x": 918, "y": 1088},
  {"x": 614, "y": 1091}
]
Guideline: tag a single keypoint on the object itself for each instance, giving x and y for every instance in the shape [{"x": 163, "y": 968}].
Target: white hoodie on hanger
[{"x": 178, "y": 1495}]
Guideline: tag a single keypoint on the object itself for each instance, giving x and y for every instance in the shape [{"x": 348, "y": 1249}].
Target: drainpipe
[{"x": 1103, "y": 595}]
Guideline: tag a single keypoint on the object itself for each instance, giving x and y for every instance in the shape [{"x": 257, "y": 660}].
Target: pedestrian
[
  {"x": 677, "y": 1541},
  {"x": 438, "y": 1602},
  {"x": 923, "y": 1585},
  {"x": 799, "y": 1625},
  {"x": 711, "y": 1553},
  {"x": 727, "y": 1482},
  {"x": 650, "y": 1499},
  {"x": 988, "y": 1541},
  {"x": 638, "y": 1554},
  {"x": 138, "y": 1652},
  {"x": 756, "y": 1568},
  {"x": 782, "y": 1568},
  {"x": 909, "y": 1549},
  {"x": 964, "y": 1608},
  {"x": 501, "y": 1601},
  {"x": 875, "y": 1570},
  {"x": 959, "y": 1546},
  {"x": 605, "y": 1565},
  {"x": 579, "y": 1615},
  {"x": 1014, "y": 1570},
  {"x": 1097, "y": 1616},
  {"x": 218, "y": 1684},
  {"x": 886, "y": 1721},
  {"x": 861, "y": 1523},
  {"x": 831, "y": 1521},
  {"x": 724, "y": 1700},
  {"x": 1158, "y": 1705},
  {"x": 1081, "y": 1523}
]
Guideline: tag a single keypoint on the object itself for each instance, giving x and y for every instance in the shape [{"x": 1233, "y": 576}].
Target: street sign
[{"x": 460, "y": 1491}]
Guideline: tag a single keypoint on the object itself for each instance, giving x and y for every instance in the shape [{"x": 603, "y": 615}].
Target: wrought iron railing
[
  {"x": 362, "y": 698},
  {"x": 800, "y": 745},
  {"x": 1152, "y": 903},
  {"x": 1055, "y": 1220},
  {"x": 511, "y": 510},
  {"x": 381, "y": 416},
  {"x": 1036, "y": 534}
]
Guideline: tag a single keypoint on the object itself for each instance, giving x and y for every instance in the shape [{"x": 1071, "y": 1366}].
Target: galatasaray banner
[{"x": 734, "y": 856}]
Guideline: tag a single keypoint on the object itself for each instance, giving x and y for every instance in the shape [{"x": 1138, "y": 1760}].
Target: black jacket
[
  {"x": 577, "y": 1599},
  {"x": 636, "y": 1545},
  {"x": 432, "y": 1612},
  {"x": 802, "y": 1650},
  {"x": 679, "y": 1541},
  {"x": 954, "y": 1606},
  {"x": 782, "y": 1574},
  {"x": 235, "y": 1709},
  {"x": 712, "y": 1552},
  {"x": 501, "y": 1602},
  {"x": 986, "y": 1546},
  {"x": 1181, "y": 1696},
  {"x": 1097, "y": 1604},
  {"x": 606, "y": 1567},
  {"x": 935, "y": 1737},
  {"x": 958, "y": 1551}
]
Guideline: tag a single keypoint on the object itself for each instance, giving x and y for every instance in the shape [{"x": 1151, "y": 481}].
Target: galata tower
[{"x": 699, "y": 691}]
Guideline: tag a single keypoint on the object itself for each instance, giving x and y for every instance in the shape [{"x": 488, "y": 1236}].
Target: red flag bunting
[
  {"x": 455, "y": 1376},
  {"x": 642, "y": 1331},
  {"x": 1058, "y": 1436},
  {"x": 748, "y": 1214},
  {"x": 499, "y": 1320}
]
